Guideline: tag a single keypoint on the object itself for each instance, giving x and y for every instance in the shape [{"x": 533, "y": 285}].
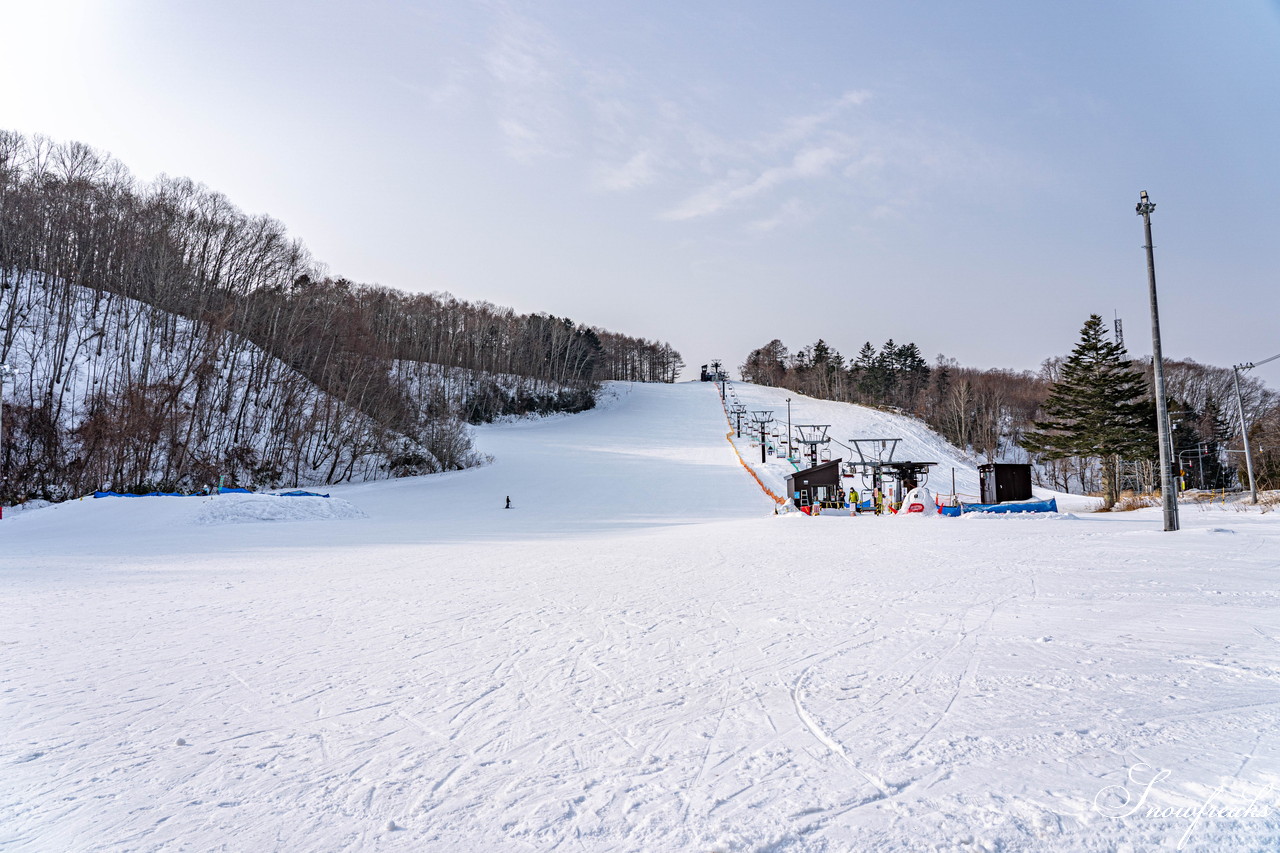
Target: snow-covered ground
[{"x": 637, "y": 656}]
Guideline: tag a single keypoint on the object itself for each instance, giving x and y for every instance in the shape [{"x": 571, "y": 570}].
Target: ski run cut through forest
[{"x": 637, "y": 655}]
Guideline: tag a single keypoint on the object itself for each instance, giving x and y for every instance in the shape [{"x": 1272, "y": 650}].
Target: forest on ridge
[{"x": 162, "y": 338}]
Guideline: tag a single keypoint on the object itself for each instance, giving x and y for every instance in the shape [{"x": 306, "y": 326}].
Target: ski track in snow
[{"x": 638, "y": 656}]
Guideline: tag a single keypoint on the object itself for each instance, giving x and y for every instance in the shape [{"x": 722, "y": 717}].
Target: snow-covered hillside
[
  {"x": 636, "y": 656},
  {"x": 109, "y": 392},
  {"x": 847, "y": 421}
]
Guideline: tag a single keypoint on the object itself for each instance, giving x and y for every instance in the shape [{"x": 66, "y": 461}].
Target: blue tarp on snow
[
  {"x": 147, "y": 495},
  {"x": 299, "y": 493},
  {"x": 1050, "y": 505}
]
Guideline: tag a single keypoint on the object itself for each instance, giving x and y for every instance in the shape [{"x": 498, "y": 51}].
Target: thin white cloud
[
  {"x": 792, "y": 212},
  {"x": 809, "y": 163},
  {"x": 812, "y": 141},
  {"x": 797, "y": 129},
  {"x": 525, "y": 65},
  {"x": 634, "y": 173}
]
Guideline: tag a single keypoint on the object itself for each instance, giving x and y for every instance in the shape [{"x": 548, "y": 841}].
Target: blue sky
[{"x": 718, "y": 174}]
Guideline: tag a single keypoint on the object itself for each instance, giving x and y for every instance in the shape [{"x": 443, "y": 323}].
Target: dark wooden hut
[
  {"x": 1003, "y": 482},
  {"x": 818, "y": 484}
]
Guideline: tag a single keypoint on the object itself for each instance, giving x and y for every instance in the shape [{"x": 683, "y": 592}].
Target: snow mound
[
  {"x": 239, "y": 509},
  {"x": 28, "y": 506}
]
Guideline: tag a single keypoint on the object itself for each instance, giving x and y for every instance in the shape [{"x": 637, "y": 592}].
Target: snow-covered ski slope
[
  {"x": 637, "y": 656},
  {"x": 648, "y": 455}
]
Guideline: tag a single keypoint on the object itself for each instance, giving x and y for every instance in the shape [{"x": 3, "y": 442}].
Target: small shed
[
  {"x": 1002, "y": 482},
  {"x": 815, "y": 485}
]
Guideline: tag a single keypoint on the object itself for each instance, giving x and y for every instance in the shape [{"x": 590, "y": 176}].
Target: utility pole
[
  {"x": 788, "y": 429},
  {"x": 1168, "y": 496},
  {"x": 1244, "y": 427}
]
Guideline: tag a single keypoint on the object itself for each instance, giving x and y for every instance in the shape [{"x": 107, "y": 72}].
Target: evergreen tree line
[
  {"x": 983, "y": 411},
  {"x": 401, "y": 371},
  {"x": 1086, "y": 421}
]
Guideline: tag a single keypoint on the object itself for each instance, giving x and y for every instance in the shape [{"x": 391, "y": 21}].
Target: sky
[{"x": 718, "y": 174}]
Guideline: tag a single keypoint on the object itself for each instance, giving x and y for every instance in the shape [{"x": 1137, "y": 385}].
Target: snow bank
[{"x": 238, "y": 509}]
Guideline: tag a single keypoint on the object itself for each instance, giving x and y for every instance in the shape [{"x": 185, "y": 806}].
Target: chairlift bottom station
[{"x": 885, "y": 482}]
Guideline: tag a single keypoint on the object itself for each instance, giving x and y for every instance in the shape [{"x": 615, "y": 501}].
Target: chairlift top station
[{"x": 714, "y": 372}]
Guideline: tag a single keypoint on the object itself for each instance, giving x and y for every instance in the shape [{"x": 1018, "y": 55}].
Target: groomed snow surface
[{"x": 638, "y": 656}]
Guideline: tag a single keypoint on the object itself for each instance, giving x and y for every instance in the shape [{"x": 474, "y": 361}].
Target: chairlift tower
[
  {"x": 877, "y": 465},
  {"x": 873, "y": 455},
  {"x": 762, "y": 419},
  {"x": 812, "y": 436},
  {"x": 738, "y": 410}
]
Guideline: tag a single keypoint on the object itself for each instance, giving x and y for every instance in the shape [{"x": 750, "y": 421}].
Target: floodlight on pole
[
  {"x": 1168, "y": 496},
  {"x": 1244, "y": 427}
]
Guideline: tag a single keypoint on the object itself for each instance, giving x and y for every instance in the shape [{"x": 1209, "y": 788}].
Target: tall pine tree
[{"x": 1098, "y": 409}]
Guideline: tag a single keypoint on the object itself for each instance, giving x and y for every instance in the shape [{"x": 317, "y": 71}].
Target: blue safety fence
[
  {"x": 296, "y": 493},
  {"x": 200, "y": 494}
]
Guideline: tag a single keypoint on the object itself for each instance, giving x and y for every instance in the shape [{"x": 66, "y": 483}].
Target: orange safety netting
[{"x": 729, "y": 437}]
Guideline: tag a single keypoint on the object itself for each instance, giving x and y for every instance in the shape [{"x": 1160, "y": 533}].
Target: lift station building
[{"x": 814, "y": 485}]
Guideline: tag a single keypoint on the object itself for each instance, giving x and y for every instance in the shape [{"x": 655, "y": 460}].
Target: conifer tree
[
  {"x": 1098, "y": 409},
  {"x": 1211, "y": 433}
]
